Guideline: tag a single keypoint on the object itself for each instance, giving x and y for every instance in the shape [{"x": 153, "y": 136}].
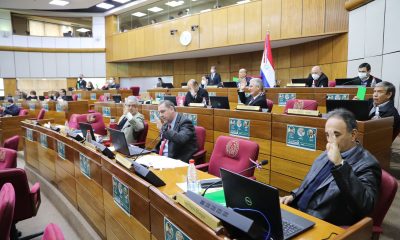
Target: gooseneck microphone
[{"x": 256, "y": 165}]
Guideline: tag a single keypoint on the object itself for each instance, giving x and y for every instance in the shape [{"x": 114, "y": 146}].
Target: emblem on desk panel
[
  {"x": 106, "y": 111},
  {"x": 43, "y": 140},
  {"x": 61, "y": 149},
  {"x": 284, "y": 97},
  {"x": 93, "y": 96},
  {"x": 172, "y": 232},
  {"x": 248, "y": 201},
  {"x": 232, "y": 148},
  {"x": 239, "y": 127},
  {"x": 84, "y": 164},
  {"x": 29, "y": 134},
  {"x": 121, "y": 195},
  {"x": 301, "y": 137}
]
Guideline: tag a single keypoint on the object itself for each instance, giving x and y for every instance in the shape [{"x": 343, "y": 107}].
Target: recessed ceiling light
[
  {"x": 105, "y": 5},
  {"x": 121, "y": 1},
  {"x": 83, "y": 30},
  {"x": 139, "y": 14},
  {"x": 174, "y": 3},
  {"x": 244, "y": 1},
  {"x": 59, "y": 2},
  {"x": 155, "y": 9}
]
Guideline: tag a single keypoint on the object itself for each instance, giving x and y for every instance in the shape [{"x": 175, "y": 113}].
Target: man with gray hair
[
  {"x": 257, "y": 96},
  {"x": 317, "y": 78},
  {"x": 243, "y": 78},
  {"x": 131, "y": 122}
]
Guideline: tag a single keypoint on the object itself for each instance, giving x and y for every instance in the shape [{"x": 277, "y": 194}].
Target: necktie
[
  {"x": 122, "y": 123},
  {"x": 163, "y": 143}
]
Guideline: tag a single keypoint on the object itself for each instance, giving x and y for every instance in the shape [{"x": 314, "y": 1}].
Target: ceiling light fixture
[
  {"x": 174, "y": 3},
  {"x": 139, "y": 14},
  {"x": 105, "y": 5},
  {"x": 59, "y": 2},
  {"x": 121, "y": 1},
  {"x": 155, "y": 9},
  {"x": 82, "y": 30}
]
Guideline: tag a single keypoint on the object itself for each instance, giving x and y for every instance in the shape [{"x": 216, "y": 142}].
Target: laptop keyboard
[
  {"x": 133, "y": 151},
  {"x": 289, "y": 228}
]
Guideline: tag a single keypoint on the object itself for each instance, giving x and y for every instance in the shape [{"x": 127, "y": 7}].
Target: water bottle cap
[{"x": 191, "y": 161}]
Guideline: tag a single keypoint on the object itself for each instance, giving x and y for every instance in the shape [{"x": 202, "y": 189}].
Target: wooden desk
[
  {"x": 11, "y": 126},
  {"x": 116, "y": 110},
  {"x": 156, "y": 91}
]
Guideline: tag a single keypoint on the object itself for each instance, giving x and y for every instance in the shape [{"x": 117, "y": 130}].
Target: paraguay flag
[{"x": 267, "y": 71}]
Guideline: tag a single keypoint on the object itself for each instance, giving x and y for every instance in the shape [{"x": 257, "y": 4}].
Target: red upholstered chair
[
  {"x": 52, "y": 232},
  {"x": 75, "y": 97},
  {"x": 27, "y": 199},
  {"x": 141, "y": 141},
  {"x": 270, "y": 105},
  {"x": 7, "y": 205},
  {"x": 331, "y": 84},
  {"x": 12, "y": 142},
  {"x": 98, "y": 124},
  {"x": 41, "y": 114},
  {"x": 102, "y": 98},
  {"x": 301, "y": 104},
  {"x": 23, "y": 112},
  {"x": 135, "y": 90},
  {"x": 387, "y": 193},
  {"x": 8, "y": 158},
  {"x": 200, "y": 155},
  {"x": 233, "y": 154}
]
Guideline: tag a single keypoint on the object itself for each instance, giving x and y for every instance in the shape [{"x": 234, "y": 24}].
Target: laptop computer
[
  {"x": 244, "y": 193},
  {"x": 229, "y": 84},
  {"x": 84, "y": 127},
  {"x": 68, "y": 98},
  {"x": 117, "y": 98},
  {"x": 120, "y": 145},
  {"x": 345, "y": 81},
  {"x": 219, "y": 102},
  {"x": 183, "y": 84},
  {"x": 167, "y": 85},
  {"x": 171, "y": 98},
  {"x": 299, "y": 80},
  {"x": 360, "y": 108}
]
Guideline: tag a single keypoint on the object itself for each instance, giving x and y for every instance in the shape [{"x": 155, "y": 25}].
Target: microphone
[
  {"x": 256, "y": 165},
  {"x": 140, "y": 153}
]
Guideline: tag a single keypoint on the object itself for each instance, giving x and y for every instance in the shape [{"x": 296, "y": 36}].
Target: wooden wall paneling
[
  {"x": 167, "y": 68},
  {"x": 327, "y": 69},
  {"x": 296, "y": 56},
  {"x": 271, "y": 18},
  {"x": 339, "y": 48},
  {"x": 123, "y": 70},
  {"x": 292, "y": 11},
  {"x": 111, "y": 25},
  {"x": 159, "y": 43},
  {"x": 140, "y": 43},
  {"x": 296, "y": 73},
  {"x": 307, "y": 70},
  {"x": 116, "y": 47},
  {"x": 339, "y": 70},
  {"x": 282, "y": 76},
  {"x": 284, "y": 58},
  {"x": 131, "y": 49},
  {"x": 190, "y": 76},
  {"x": 134, "y": 69},
  {"x": 190, "y": 66},
  {"x": 310, "y": 54},
  {"x": 313, "y": 17},
  {"x": 178, "y": 79},
  {"x": 336, "y": 16},
  {"x": 325, "y": 50},
  {"x": 222, "y": 63},
  {"x": 256, "y": 59},
  {"x": 156, "y": 68},
  {"x": 111, "y": 69},
  {"x": 10, "y": 86},
  {"x": 179, "y": 66},
  {"x": 149, "y": 41},
  {"x": 174, "y": 45},
  {"x": 186, "y": 25},
  {"x": 220, "y": 27},
  {"x": 235, "y": 24},
  {"x": 71, "y": 82},
  {"x": 202, "y": 66},
  {"x": 123, "y": 47},
  {"x": 109, "y": 48},
  {"x": 206, "y": 30},
  {"x": 253, "y": 22}
]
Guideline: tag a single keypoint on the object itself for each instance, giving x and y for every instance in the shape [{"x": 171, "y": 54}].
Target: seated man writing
[
  {"x": 195, "y": 94},
  {"x": 343, "y": 183},
  {"x": 131, "y": 122},
  {"x": 178, "y": 137},
  {"x": 11, "y": 109},
  {"x": 257, "y": 96}
]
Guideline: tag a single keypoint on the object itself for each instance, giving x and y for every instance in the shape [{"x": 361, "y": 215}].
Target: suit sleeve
[
  {"x": 186, "y": 132},
  {"x": 324, "y": 82},
  {"x": 217, "y": 78},
  {"x": 187, "y": 99},
  {"x": 242, "y": 97},
  {"x": 309, "y": 80},
  {"x": 137, "y": 122}
]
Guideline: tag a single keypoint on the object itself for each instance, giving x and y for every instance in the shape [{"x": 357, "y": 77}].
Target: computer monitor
[
  {"x": 219, "y": 102},
  {"x": 84, "y": 127},
  {"x": 68, "y": 98},
  {"x": 117, "y": 98},
  {"x": 229, "y": 84},
  {"x": 167, "y": 85},
  {"x": 170, "y": 98},
  {"x": 242, "y": 193},
  {"x": 41, "y": 98},
  {"x": 345, "y": 81},
  {"x": 299, "y": 80},
  {"x": 120, "y": 144},
  {"x": 360, "y": 108},
  {"x": 183, "y": 84}
]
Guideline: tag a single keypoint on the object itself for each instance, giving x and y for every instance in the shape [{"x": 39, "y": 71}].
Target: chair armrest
[
  {"x": 200, "y": 156},
  {"x": 203, "y": 167},
  {"x": 113, "y": 125},
  {"x": 35, "y": 196}
]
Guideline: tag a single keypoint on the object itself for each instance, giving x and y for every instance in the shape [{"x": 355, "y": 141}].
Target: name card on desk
[
  {"x": 93, "y": 96},
  {"x": 295, "y": 85},
  {"x": 314, "y": 113},
  {"x": 196, "y": 105},
  {"x": 43, "y": 140},
  {"x": 121, "y": 195},
  {"x": 172, "y": 232},
  {"x": 84, "y": 164},
  {"x": 284, "y": 97},
  {"x": 191, "y": 117},
  {"x": 29, "y": 134},
  {"x": 247, "y": 108},
  {"x": 301, "y": 137},
  {"x": 239, "y": 127},
  {"x": 61, "y": 149},
  {"x": 106, "y": 111}
]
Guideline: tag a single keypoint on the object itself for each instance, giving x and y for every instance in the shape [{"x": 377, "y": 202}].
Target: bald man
[{"x": 317, "y": 78}]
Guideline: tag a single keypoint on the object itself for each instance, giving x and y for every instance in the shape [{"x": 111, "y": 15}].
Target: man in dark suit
[
  {"x": 214, "y": 78},
  {"x": 81, "y": 84},
  {"x": 257, "y": 96},
  {"x": 317, "y": 78},
  {"x": 343, "y": 183},
  {"x": 11, "y": 109},
  {"x": 195, "y": 93},
  {"x": 178, "y": 137},
  {"x": 382, "y": 105},
  {"x": 364, "y": 76}
]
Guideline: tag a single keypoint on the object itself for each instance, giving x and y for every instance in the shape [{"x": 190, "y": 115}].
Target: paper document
[
  {"x": 160, "y": 162},
  {"x": 183, "y": 186}
]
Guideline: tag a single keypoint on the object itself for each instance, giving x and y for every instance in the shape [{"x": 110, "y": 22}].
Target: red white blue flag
[{"x": 267, "y": 71}]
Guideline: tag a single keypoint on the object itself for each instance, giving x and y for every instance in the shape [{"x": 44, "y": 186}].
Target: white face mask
[
  {"x": 315, "y": 76},
  {"x": 362, "y": 75}
]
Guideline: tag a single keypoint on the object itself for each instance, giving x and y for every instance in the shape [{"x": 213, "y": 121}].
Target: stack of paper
[{"x": 160, "y": 162}]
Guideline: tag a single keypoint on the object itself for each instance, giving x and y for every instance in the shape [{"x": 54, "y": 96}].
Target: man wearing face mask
[
  {"x": 214, "y": 78},
  {"x": 364, "y": 76},
  {"x": 11, "y": 109},
  {"x": 317, "y": 78},
  {"x": 195, "y": 93}
]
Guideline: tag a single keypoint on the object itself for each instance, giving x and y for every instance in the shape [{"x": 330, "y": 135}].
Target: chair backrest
[
  {"x": 201, "y": 137},
  {"x": 135, "y": 90},
  {"x": 98, "y": 124},
  {"x": 386, "y": 196},
  {"x": 41, "y": 114},
  {"x": 75, "y": 97},
  {"x": 331, "y": 84},
  {"x": 12, "y": 142},
  {"x": 233, "y": 154},
  {"x": 8, "y": 158},
  {"x": 270, "y": 105},
  {"x": 102, "y": 98},
  {"x": 360, "y": 230},
  {"x": 52, "y": 232},
  {"x": 301, "y": 104},
  {"x": 7, "y": 205},
  {"x": 143, "y": 134},
  {"x": 23, "y": 112},
  {"x": 24, "y": 207}
]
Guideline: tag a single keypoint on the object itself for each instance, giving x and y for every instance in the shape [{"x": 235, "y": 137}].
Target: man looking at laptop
[
  {"x": 343, "y": 183},
  {"x": 195, "y": 93},
  {"x": 178, "y": 137},
  {"x": 257, "y": 96},
  {"x": 131, "y": 122}
]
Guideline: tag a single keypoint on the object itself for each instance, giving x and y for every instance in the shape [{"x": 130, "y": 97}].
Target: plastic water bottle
[
  {"x": 192, "y": 184},
  {"x": 373, "y": 83},
  {"x": 204, "y": 101},
  {"x": 66, "y": 127},
  {"x": 88, "y": 137}
]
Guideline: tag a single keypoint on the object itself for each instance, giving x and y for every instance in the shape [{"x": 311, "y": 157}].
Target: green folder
[
  {"x": 217, "y": 196},
  {"x": 361, "y": 93},
  {"x": 235, "y": 79}
]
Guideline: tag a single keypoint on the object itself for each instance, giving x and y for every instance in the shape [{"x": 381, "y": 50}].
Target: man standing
[
  {"x": 364, "y": 76},
  {"x": 343, "y": 183},
  {"x": 257, "y": 96},
  {"x": 131, "y": 122},
  {"x": 317, "y": 78},
  {"x": 178, "y": 137},
  {"x": 81, "y": 84},
  {"x": 214, "y": 78}
]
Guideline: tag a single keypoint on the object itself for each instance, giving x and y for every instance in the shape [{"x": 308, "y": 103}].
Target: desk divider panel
[{"x": 10, "y": 126}]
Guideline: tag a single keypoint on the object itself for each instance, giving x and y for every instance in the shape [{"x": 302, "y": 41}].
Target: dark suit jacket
[
  {"x": 202, "y": 93},
  {"x": 321, "y": 81},
  {"x": 259, "y": 101},
  {"x": 349, "y": 194},
  {"x": 11, "y": 110},
  {"x": 215, "y": 80},
  {"x": 81, "y": 84},
  {"x": 30, "y": 98},
  {"x": 357, "y": 81},
  {"x": 182, "y": 142},
  {"x": 389, "y": 110}
]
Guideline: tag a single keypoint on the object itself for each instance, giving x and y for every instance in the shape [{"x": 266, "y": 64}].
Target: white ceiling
[{"x": 44, "y": 4}]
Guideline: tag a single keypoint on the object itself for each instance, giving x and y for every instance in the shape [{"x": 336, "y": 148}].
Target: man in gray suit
[
  {"x": 132, "y": 121},
  {"x": 343, "y": 183}
]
